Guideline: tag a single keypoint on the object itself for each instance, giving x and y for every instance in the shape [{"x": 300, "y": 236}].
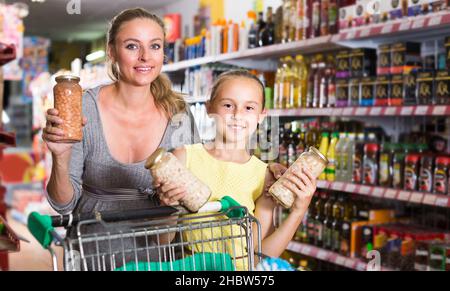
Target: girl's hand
[
  {"x": 51, "y": 134},
  {"x": 169, "y": 194},
  {"x": 303, "y": 185},
  {"x": 276, "y": 171}
]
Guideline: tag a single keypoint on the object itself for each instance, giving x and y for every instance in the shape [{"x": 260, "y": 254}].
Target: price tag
[
  {"x": 419, "y": 23},
  {"x": 378, "y": 192},
  {"x": 390, "y": 111},
  {"x": 340, "y": 261},
  {"x": 350, "y": 188},
  {"x": 322, "y": 255},
  {"x": 404, "y": 195},
  {"x": 407, "y": 110},
  {"x": 337, "y": 111},
  {"x": 439, "y": 110},
  {"x": 349, "y": 263},
  {"x": 435, "y": 20},
  {"x": 375, "y": 111},
  {"x": 387, "y": 28},
  {"x": 390, "y": 194},
  {"x": 361, "y": 266},
  {"x": 361, "y": 111},
  {"x": 347, "y": 111},
  {"x": 405, "y": 25},
  {"x": 365, "y": 190},
  {"x": 365, "y": 32},
  {"x": 322, "y": 184},
  {"x": 327, "y": 111},
  {"x": 416, "y": 197},
  {"x": 422, "y": 110},
  {"x": 306, "y": 250},
  {"x": 351, "y": 34},
  {"x": 429, "y": 199},
  {"x": 442, "y": 201},
  {"x": 337, "y": 186}
]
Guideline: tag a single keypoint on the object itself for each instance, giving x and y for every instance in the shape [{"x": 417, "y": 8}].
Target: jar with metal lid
[
  {"x": 441, "y": 175},
  {"x": 68, "y": 101},
  {"x": 166, "y": 167},
  {"x": 313, "y": 160}
]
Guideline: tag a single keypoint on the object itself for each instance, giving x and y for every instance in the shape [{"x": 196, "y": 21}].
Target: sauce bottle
[
  {"x": 370, "y": 164},
  {"x": 441, "y": 175},
  {"x": 426, "y": 173},
  {"x": 411, "y": 172}
]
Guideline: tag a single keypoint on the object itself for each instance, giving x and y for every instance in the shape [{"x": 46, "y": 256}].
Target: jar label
[
  {"x": 426, "y": 180},
  {"x": 440, "y": 182},
  {"x": 410, "y": 179},
  {"x": 370, "y": 172}
]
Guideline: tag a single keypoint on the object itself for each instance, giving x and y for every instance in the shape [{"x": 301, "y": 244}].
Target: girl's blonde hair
[
  {"x": 161, "y": 88},
  {"x": 232, "y": 75}
]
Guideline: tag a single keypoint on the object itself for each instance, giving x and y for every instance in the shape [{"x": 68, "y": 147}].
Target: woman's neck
[
  {"x": 133, "y": 98},
  {"x": 226, "y": 151}
]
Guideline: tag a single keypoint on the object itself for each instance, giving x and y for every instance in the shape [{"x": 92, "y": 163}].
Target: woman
[{"x": 124, "y": 123}]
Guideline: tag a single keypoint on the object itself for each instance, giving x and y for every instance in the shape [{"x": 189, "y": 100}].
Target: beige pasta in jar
[
  {"x": 68, "y": 101},
  {"x": 312, "y": 160},
  {"x": 165, "y": 166}
]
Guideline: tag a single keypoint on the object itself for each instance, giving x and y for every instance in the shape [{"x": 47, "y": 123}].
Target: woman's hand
[
  {"x": 169, "y": 194},
  {"x": 303, "y": 185},
  {"x": 52, "y": 134}
]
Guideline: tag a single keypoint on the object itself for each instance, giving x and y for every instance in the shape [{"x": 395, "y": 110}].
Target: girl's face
[
  {"x": 138, "y": 51},
  {"x": 237, "y": 109}
]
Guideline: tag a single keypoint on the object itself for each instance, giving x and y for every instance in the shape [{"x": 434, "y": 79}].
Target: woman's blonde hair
[{"x": 161, "y": 88}]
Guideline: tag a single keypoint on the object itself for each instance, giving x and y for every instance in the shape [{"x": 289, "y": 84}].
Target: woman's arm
[{"x": 303, "y": 185}]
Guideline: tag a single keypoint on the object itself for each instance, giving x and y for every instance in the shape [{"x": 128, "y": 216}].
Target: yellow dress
[{"x": 242, "y": 182}]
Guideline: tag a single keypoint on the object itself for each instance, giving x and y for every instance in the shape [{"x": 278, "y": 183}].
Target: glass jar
[
  {"x": 166, "y": 167},
  {"x": 68, "y": 101},
  {"x": 312, "y": 160}
]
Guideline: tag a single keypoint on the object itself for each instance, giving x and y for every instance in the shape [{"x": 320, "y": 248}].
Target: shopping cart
[{"x": 221, "y": 237}]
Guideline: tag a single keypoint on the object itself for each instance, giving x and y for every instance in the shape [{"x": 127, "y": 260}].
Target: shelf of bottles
[
  {"x": 421, "y": 110},
  {"x": 329, "y": 256},
  {"x": 429, "y": 25},
  {"x": 387, "y": 193}
]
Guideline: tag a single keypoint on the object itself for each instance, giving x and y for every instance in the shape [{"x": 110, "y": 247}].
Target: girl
[{"x": 225, "y": 165}]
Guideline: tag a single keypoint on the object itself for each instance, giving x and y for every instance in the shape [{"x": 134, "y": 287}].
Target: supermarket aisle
[{"x": 32, "y": 257}]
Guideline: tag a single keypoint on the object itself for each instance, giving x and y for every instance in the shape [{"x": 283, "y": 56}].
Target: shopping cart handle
[
  {"x": 41, "y": 228},
  {"x": 237, "y": 211}
]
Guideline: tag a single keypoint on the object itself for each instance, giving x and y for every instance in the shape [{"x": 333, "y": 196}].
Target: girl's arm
[{"x": 303, "y": 185}]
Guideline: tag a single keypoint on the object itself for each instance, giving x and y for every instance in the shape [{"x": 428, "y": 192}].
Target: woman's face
[
  {"x": 237, "y": 109},
  {"x": 138, "y": 51}
]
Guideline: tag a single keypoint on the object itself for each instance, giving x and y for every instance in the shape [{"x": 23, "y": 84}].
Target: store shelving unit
[
  {"x": 328, "y": 256},
  {"x": 388, "y": 193},
  {"x": 422, "y": 28},
  {"x": 422, "y": 110}
]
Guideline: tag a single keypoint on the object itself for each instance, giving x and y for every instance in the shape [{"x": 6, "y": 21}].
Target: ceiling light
[{"x": 95, "y": 55}]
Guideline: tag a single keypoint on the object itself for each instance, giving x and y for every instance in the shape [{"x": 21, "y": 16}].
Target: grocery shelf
[
  {"x": 388, "y": 193},
  {"x": 419, "y": 26},
  {"x": 328, "y": 256},
  {"x": 7, "y": 139},
  {"x": 422, "y": 110},
  {"x": 321, "y": 44},
  {"x": 434, "y": 24}
]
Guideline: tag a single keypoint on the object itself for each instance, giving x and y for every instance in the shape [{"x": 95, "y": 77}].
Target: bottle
[
  {"x": 287, "y": 92},
  {"x": 310, "y": 87},
  {"x": 358, "y": 158},
  {"x": 278, "y": 85},
  {"x": 225, "y": 37},
  {"x": 336, "y": 225},
  {"x": 319, "y": 86},
  {"x": 315, "y": 18},
  {"x": 441, "y": 175},
  {"x": 370, "y": 164},
  {"x": 324, "y": 143},
  {"x": 346, "y": 228},
  {"x": 284, "y": 145},
  {"x": 267, "y": 34},
  {"x": 324, "y": 17},
  {"x": 302, "y": 79},
  {"x": 323, "y": 84},
  {"x": 261, "y": 25},
  {"x": 319, "y": 218},
  {"x": 411, "y": 172},
  {"x": 330, "y": 73},
  {"x": 348, "y": 151},
  {"x": 327, "y": 222},
  {"x": 331, "y": 156},
  {"x": 292, "y": 153},
  {"x": 253, "y": 30},
  {"x": 243, "y": 37},
  {"x": 307, "y": 19},
  {"x": 300, "y": 19},
  {"x": 426, "y": 173},
  {"x": 279, "y": 24},
  {"x": 311, "y": 222},
  {"x": 385, "y": 171},
  {"x": 398, "y": 167},
  {"x": 333, "y": 17},
  {"x": 286, "y": 20},
  {"x": 293, "y": 21},
  {"x": 339, "y": 157},
  {"x": 301, "y": 145}
]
